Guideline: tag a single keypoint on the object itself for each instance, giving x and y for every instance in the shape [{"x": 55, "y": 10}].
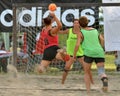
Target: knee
[
  {"x": 101, "y": 71},
  {"x": 66, "y": 70},
  {"x": 87, "y": 70},
  {"x": 67, "y": 67}
]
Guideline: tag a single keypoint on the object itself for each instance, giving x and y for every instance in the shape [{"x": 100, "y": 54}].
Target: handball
[{"x": 52, "y": 7}]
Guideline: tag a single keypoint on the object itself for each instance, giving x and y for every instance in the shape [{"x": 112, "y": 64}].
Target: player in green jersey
[
  {"x": 71, "y": 43},
  {"x": 92, "y": 44}
]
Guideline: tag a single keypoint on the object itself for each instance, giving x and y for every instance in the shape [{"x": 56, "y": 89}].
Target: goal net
[{"x": 27, "y": 25}]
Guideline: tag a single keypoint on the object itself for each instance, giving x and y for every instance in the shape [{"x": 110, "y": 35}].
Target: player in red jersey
[{"x": 50, "y": 42}]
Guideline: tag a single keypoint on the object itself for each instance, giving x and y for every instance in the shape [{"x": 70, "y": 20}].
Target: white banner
[{"x": 111, "y": 26}]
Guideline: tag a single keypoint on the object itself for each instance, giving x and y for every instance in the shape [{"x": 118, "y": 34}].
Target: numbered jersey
[{"x": 48, "y": 39}]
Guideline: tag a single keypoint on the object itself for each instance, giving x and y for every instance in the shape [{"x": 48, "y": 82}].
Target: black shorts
[
  {"x": 50, "y": 53},
  {"x": 77, "y": 56},
  {"x": 91, "y": 59}
]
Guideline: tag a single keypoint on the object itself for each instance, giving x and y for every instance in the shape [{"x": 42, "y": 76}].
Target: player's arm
[
  {"x": 79, "y": 40},
  {"x": 101, "y": 39},
  {"x": 56, "y": 29},
  {"x": 64, "y": 31}
]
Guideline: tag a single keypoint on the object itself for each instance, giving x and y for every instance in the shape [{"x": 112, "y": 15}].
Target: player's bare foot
[{"x": 41, "y": 69}]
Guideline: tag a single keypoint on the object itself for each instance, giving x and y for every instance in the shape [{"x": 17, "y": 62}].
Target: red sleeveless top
[
  {"x": 49, "y": 40},
  {"x": 45, "y": 41}
]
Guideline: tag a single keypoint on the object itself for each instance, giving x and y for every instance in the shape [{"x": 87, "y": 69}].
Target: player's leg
[
  {"x": 67, "y": 69},
  {"x": 87, "y": 76},
  {"x": 62, "y": 55},
  {"x": 87, "y": 72},
  {"x": 103, "y": 76},
  {"x": 81, "y": 60},
  {"x": 101, "y": 73},
  {"x": 48, "y": 55},
  {"x": 58, "y": 56},
  {"x": 43, "y": 66}
]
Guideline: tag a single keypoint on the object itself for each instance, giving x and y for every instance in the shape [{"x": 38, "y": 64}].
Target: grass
[{"x": 109, "y": 63}]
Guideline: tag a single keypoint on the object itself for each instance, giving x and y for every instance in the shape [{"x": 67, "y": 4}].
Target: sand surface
[{"x": 48, "y": 85}]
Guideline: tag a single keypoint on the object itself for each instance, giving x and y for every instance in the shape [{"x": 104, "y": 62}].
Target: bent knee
[
  {"x": 68, "y": 67},
  {"x": 66, "y": 70}
]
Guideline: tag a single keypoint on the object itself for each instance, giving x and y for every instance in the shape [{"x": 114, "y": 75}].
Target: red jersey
[{"x": 49, "y": 40}]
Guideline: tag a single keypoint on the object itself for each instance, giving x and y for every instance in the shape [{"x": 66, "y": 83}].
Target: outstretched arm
[
  {"x": 64, "y": 31},
  {"x": 56, "y": 29}
]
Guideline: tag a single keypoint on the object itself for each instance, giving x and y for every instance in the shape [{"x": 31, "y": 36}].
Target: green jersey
[
  {"x": 91, "y": 44},
  {"x": 71, "y": 42}
]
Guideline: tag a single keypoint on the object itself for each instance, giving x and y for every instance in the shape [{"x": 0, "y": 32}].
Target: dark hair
[
  {"x": 75, "y": 20},
  {"x": 47, "y": 20},
  {"x": 83, "y": 21}
]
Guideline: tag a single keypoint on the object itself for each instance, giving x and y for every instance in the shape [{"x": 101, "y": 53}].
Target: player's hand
[
  {"x": 74, "y": 58},
  {"x": 52, "y": 14}
]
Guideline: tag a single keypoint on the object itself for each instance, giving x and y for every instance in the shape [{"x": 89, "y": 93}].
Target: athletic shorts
[
  {"x": 91, "y": 59},
  {"x": 50, "y": 53},
  {"x": 77, "y": 56}
]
